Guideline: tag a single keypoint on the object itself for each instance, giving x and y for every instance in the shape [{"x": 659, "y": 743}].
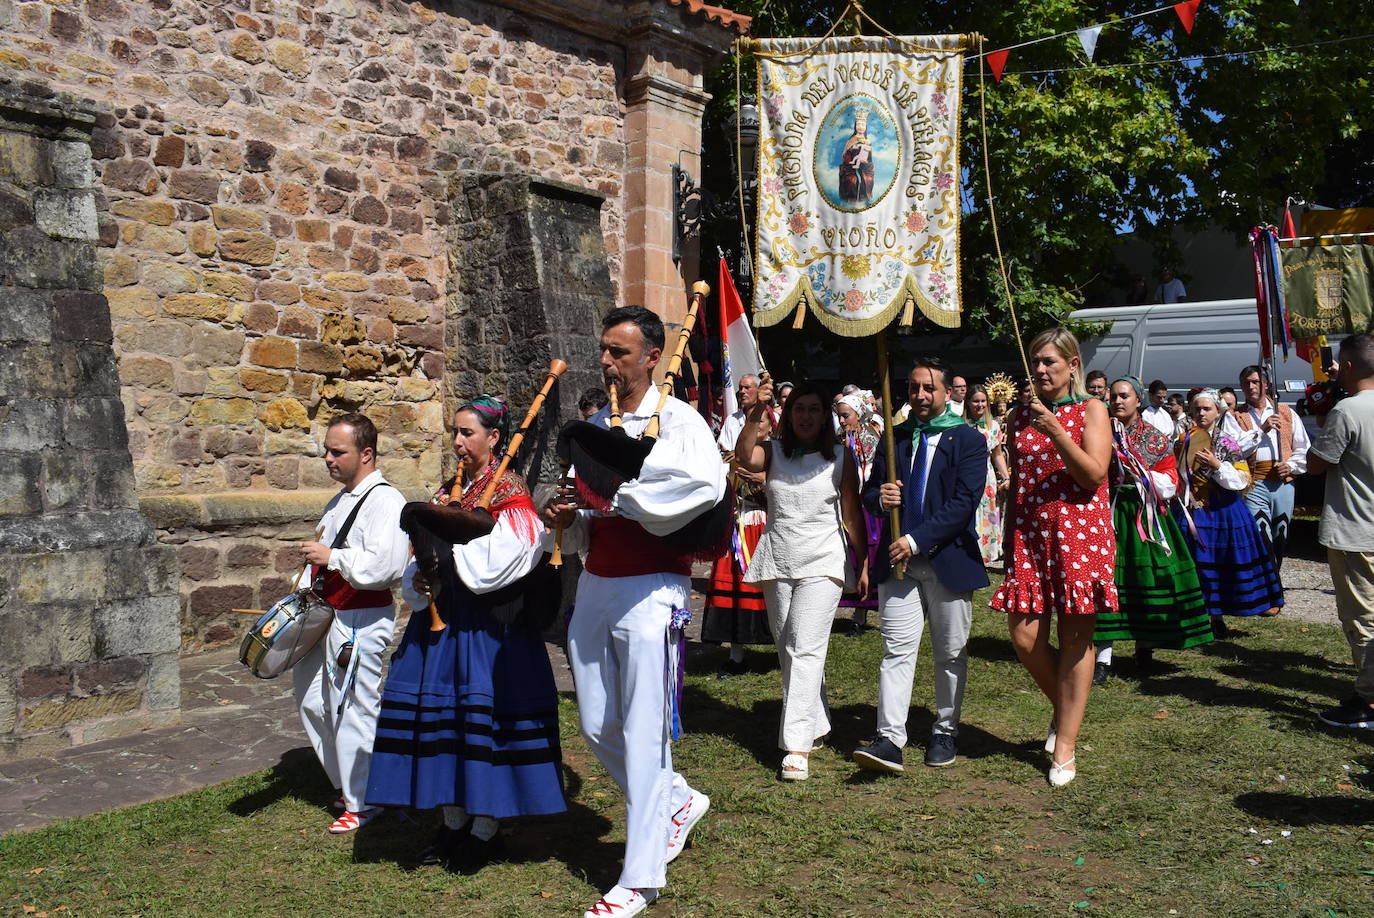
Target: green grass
[{"x": 1173, "y": 776}]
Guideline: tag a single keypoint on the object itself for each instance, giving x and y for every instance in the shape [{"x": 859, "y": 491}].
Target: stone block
[
  {"x": 163, "y": 688},
  {"x": 46, "y": 681},
  {"x": 56, "y": 577},
  {"x": 197, "y": 306},
  {"x": 312, "y": 230},
  {"x": 171, "y": 151},
  {"x": 370, "y": 210},
  {"x": 82, "y": 317},
  {"x": 202, "y": 239},
  {"x": 131, "y": 175},
  {"x": 234, "y": 411},
  {"x": 9, "y": 705},
  {"x": 31, "y": 258},
  {"x": 233, "y": 286},
  {"x": 318, "y": 357},
  {"x": 290, "y": 443},
  {"x": 30, "y": 425},
  {"x": 18, "y": 496},
  {"x": 199, "y": 562},
  {"x": 49, "y": 714},
  {"x": 132, "y": 302},
  {"x": 259, "y": 317},
  {"x": 338, "y": 280},
  {"x": 245, "y": 47},
  {"x": 362, "y": 360},
  {"x": 249, "y": 248},
  {"x": 121, "y": 271},
  {"x": 112, "y": 728},
  {"x": 284, "y": 472},
  {"x": 136, "y": 626},
  {"x": 66, "y": 214},
  {"x": 264, "y": 381},
  {"x": 103, "y": 676},
  {"x": 165, "y": 278},
  {"x": 323, "y": 299},
  {"x": 285, "y": 413},
  {"x": 26, "y": 316},
  {"x": 94, "y": 423},
  {"x": 342, "y": 329},
  {"x": 194, "y": 185},
  {"x": 297, "y": 322},
  {"x": 212, "y": 346},
  {"x": 341, "y": 179},
  {"x": 248, "y": 554},
  {"x": 240, "y": 218},
  {"x": 223, "y": 382},
  {"x": 166, "y": 410},
  {"x": 280, "y": 292},
  {"x": 273, "y": 351},
  {"x": 148, "y": 372},
  {"x": 206, "y": 90}
]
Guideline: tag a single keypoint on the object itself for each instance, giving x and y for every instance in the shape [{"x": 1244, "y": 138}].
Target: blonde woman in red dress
[{"x": 1063, "y": 551}]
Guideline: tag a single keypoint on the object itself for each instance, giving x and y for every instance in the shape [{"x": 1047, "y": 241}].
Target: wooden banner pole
[{"x": 889, "y": 443}]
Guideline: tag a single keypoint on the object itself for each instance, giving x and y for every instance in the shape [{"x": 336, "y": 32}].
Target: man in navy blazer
[{"x": 938, "y": 489}]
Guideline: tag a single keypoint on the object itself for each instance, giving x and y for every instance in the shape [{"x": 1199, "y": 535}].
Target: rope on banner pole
[{"x": 992, "y": 213}]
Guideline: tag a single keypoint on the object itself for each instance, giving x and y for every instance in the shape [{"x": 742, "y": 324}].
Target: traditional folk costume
[
  {"x": 988, "y": 519},
  {"x": 735, "y": 612},
  {"x": 470, "y": 713},
  {"x": 1270, "y": 496},
  {"x": 863, "y": 444},
  {"x": 1234, "y": 565},
  {"x": 1160, "y": 599},
  {"x": 633, "y": 584},
  {"x": 339, "y": 700},
  {"x": 1063, "y": 551}
]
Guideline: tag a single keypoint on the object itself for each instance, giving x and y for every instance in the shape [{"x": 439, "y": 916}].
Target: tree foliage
[{"x": 1163, "y": 129}]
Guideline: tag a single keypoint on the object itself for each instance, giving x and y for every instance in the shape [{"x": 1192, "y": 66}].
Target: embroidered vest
[{"x": 622, "y": 548}]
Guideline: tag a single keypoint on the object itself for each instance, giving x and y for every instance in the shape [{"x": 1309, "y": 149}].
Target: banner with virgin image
[{"x": 858, "y": 204}]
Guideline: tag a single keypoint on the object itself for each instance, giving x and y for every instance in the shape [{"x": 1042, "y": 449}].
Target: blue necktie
[{"x": 918, "y": 483}]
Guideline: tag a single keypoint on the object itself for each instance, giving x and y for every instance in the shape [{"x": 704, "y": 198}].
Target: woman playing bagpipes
[
  {"x": 469, "y": 718},
  {"x": 1159, "y": 598},
  {"x": 1234, "y": 565}
]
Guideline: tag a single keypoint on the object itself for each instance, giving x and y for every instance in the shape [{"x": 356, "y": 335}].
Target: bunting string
[{"x": 1187, "y": 23}]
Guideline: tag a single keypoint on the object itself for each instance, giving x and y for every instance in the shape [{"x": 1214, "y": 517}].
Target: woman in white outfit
[{"x": 800, "y": 561}]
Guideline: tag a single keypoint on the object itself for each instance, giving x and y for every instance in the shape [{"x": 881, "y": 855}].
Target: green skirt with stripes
[{"x": 1160, "y": 599}]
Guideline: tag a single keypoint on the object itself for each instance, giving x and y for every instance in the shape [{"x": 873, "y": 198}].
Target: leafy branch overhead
[{"x": 1161, "y": 129}]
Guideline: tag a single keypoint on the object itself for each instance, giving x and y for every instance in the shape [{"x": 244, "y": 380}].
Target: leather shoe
[
  {"x": 442, "y": 846},
  {"x": 883, "y": 755},
  {"x": 1101, "y": 673},
  {"x": 941, "y": 750}
]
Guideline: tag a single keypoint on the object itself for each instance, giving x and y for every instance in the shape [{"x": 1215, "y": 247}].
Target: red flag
[
  {"x": 1187, "y": 12},
  {"x": 1288, "y": 231},
  {"x": 997, "y": 60},
  {"x": 739, "y": 354}
]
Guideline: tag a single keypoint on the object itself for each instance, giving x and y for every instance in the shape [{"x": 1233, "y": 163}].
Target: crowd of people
[{"x": 1111, "y": 519}]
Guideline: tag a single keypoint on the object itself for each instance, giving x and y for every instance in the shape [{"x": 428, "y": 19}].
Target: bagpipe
[
  {"x": 604, "y": 458},
  {"x": 434, "y": 529}
]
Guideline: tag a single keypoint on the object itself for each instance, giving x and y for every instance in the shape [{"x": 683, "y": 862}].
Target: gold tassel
[
  {"x": 908, "y": 312},
  {"x": 801, "y": 314}
]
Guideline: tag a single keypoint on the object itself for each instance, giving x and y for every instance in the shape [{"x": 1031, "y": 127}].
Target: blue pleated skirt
[
  {"x": 469, "y": 718},
  {"x": 1234, "y": 566}
]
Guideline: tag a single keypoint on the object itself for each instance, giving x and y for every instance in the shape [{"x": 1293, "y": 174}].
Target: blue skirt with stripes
[
  {"x": 469, "y": 718},
  {"x": 1234, "y": 566}
]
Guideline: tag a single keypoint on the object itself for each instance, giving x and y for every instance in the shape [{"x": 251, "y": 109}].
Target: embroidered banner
[
  {"x": 858, "y": 204},
  {"x": 1328, "y": 288}
]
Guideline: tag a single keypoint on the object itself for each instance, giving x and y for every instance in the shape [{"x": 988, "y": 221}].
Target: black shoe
[
  {"x": 1145, "y": 660},
  {"x": 1219, "y": 629},
  {"x": 1101, "y": 673},
  {"x": 1352, "y": 712},
  {"x": 444, "y": 841},
  {"x": 883, "y": 755},
  {"x": 940, "y": 751},
  {"x": 471, "y": 854},
  {"x": 732, "y": 668}
]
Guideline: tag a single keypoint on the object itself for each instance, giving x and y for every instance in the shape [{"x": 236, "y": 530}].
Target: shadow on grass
[
  {"x": 572, "y": 837},
  {"x": 1306, "y": 810},
  {"x": 296, "y": 775}
]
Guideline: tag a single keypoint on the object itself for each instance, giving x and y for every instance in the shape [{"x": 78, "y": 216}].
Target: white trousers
[
  {"x": 618, "y": 651},
  {"x": 800, "y": 612},
  {"x": 343, "y": 741},
  {"x": 903, "y": 606}
]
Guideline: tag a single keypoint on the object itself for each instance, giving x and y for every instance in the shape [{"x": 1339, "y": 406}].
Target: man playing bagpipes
[{"x": 654, "y": 496}]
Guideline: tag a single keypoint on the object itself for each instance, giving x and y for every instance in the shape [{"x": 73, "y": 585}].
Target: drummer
[
  {"x": 470, "y": 712},
  {"x": 338, "y": 684}
]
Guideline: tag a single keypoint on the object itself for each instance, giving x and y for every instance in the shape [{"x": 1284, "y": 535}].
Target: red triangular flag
[
  {"x": 997, "y": 60},
  {"x": 1288, "y": 231},
  {"x": 1187, "y": 12}
]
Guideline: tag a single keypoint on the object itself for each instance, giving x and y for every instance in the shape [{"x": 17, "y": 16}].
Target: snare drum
[{"x": 286, "y": 633}]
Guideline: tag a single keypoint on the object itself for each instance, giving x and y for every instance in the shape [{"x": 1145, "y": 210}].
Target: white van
[{"x": 1186, "y": 345}]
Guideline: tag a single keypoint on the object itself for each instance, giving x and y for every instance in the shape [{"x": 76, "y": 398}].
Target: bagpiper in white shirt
[
  {"x": 632, "y": 583},
  {"x": 339, "y": 693}
]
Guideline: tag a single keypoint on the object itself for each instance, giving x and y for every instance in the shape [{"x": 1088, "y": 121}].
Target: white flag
[{"x": 1088, "y": 38}]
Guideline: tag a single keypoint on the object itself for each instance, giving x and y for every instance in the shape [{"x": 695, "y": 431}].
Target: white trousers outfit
[
  {"x": 343, "y": 740},
  {"x": 904, "y": 606},
  {"x": 800, "y": 612},
  {"x": 618, "y": 650}
]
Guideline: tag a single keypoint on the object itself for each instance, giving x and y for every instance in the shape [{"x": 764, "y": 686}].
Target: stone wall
[
  {"x": 88, "y": 600},
  {"x": 274, "y": 181}
]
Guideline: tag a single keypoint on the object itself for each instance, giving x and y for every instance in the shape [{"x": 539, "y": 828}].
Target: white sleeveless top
[{"x": 802, "y": 538}]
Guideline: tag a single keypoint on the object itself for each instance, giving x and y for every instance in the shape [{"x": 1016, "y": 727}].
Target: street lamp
[{"x": 742, "y": 138}]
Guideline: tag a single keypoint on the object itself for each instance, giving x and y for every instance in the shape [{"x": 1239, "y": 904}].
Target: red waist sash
[
  {"x": 340, "y": 594},
  {"x": 623, "y": 548}
]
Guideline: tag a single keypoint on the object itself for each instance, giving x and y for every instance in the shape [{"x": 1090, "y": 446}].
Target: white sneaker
[
  {"x": 621, "y": 903},
  {"x": 684, "y": 819}
]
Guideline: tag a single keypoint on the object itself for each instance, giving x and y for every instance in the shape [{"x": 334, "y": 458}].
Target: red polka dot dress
[{"x": 1063, "y": 549}]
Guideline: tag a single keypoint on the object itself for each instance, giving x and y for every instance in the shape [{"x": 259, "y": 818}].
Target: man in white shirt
[
  {"x": 1170, "y": 289},
  {"x": 958, "y": 389},
  {"x": 634, "y": 582},
  {"x": 1157, "y": 414},
  {"x": 748, "y": 394},
  {"x": 1280, "y": 457},
  {"x": 1345, "y": 452},
  {"x": 339, "y": 683}
]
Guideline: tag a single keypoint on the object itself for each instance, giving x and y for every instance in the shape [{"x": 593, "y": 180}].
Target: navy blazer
[{"x": 947, "y": 535}]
